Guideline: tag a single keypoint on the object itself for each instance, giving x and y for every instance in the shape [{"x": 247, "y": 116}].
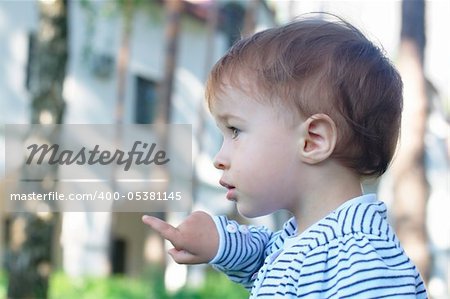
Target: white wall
[{"x": 92, "y": 100}]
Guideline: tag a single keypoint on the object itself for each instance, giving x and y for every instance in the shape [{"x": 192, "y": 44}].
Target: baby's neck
[{"x": 325, "y": 195}]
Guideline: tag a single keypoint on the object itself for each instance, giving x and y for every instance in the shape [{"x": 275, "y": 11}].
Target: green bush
[
  {"x": 119, "y": 287},
  {"x": 114, "y": 287},
  {"x": 2, "y": 285},
  {"x": 216, "y": 286}
]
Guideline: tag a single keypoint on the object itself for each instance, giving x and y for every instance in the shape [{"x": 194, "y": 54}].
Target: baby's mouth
[{"x": 231, "y": 194}]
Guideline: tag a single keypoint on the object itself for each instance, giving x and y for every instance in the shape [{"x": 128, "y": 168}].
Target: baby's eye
[{"x": 234, "y": 132}]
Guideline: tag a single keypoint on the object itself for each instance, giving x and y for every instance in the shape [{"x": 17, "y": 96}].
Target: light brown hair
[{"x": 322, "y": 66}]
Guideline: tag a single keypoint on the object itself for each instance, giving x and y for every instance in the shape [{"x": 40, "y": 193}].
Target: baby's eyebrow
[{"x": 227, "y": 116}]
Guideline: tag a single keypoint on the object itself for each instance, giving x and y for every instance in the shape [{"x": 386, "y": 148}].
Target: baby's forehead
[
  {"x": 227, "y": 96},
  {"x": 234, "y": 103},
  {"x": 232, "y": 94},
  {"x": 228, "y": 75},
  {"x": 225, "y": 89}
]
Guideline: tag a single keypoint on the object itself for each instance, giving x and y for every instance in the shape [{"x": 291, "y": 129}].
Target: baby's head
[{"x": 313, "y": 66}]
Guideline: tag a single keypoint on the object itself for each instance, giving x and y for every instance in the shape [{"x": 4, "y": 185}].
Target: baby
[{"x": 307, "y": 111}]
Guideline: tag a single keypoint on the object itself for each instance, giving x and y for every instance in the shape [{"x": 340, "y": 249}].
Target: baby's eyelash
[{"x": 234, "y": 132}]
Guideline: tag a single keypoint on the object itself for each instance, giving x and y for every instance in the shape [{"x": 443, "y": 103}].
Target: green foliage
[
  {"x": 115, "y": 287},
  {"x": 2, "y": 285},
  {"x": 216, "y": 286}
]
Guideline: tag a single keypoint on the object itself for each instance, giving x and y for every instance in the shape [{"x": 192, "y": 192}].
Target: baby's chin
[{"x": 251, "y": 212}]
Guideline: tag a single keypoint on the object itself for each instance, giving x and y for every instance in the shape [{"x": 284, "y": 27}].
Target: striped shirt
[{"x": 353, "y": 252}]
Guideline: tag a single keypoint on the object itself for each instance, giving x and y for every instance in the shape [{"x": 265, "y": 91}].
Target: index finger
[{"x": 166, "y": 230}]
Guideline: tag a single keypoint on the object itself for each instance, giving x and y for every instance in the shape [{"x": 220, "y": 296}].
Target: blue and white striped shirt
[{"x": 353, "y": 252}]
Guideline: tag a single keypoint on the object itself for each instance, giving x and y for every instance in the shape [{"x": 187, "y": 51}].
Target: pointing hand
[{"x": 195, "y": 240}]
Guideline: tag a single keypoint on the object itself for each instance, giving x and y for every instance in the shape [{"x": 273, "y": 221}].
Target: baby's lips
[
  {"x": 226, "y": 185},
  {"x": 231, "y": 194}
]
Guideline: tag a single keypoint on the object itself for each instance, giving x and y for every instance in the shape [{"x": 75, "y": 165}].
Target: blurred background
[{"x": 146, "y": 61}]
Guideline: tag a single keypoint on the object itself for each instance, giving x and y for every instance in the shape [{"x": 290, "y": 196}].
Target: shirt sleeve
[{"x": 242, "y": 250}]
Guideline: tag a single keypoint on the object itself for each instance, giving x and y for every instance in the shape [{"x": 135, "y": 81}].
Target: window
[
  {"x": 232, "y": 21},
  {"x": 146, "y": 101},
  {"x": 118, "y": 255}
]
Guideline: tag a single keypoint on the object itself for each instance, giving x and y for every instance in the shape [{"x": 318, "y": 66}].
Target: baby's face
[{"x": 259, "y": 155}]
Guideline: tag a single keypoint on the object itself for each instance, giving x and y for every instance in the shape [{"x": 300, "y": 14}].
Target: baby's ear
[{"x": 318, "y": 138}]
